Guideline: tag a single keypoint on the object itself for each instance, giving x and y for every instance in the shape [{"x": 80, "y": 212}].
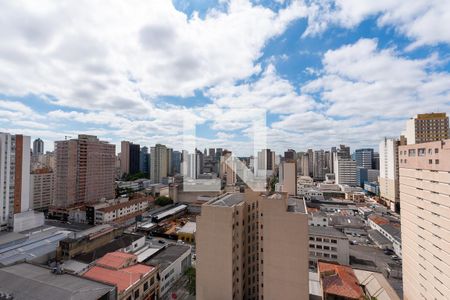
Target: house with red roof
[
  {"x": 133, "y": 280},
  {"x": 339, "y": 282}
]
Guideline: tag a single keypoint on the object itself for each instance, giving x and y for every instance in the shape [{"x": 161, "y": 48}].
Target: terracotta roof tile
[{"x": 340, "y": 281}]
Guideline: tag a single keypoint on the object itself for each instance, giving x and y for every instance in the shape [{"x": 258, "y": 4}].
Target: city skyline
[{"x": 326, "y": 74}]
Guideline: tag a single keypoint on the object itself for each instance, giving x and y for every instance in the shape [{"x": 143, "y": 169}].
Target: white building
[
  {"x": 345, "y": 171},
  {"x": 14, "y": 177},
  {"x": 329, "y": 244},
  {"x": 173, "y": 261},
  {"x": 389, "y": 178},
  {"x": 110, "y": 212}
]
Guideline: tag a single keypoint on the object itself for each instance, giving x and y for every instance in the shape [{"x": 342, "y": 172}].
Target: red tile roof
[
  {"x": 123, "y": 278},
  {"x": 118, "y": 268},
  {"x": 378, "y": 220},
  {"x": 340, "y": 281},
  {"x": 116, "y": 260}
]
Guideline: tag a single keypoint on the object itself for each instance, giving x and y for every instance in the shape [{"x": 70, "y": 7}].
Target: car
[
  {"x": 162, "y": 241},
  {"x": 354, "y": 242},
  {"x": 388, "y": 252},
  {"x": 394, "y": 256}
]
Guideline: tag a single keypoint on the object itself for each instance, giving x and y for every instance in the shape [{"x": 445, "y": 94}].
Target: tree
[
  {"x": 163, "y": 201},
  {"x": 190, "y": 273}
]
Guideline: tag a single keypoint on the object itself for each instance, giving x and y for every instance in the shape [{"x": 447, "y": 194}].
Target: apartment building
[
  {"x": 116, "y": 210},
  {"x": 129, "y": 158},
  {"x": 327, "y": 244},
  {"x": 425, "y": 198},
  {"x": 345, "y": 171},
  {"x": 84, "y": 171},
  {"x": 252, "y": 246},
  {"x": 427, "y": 128},
  {"x": 14, "y": 177},
  {"x": 389, "y": 180},
  {"x": 42, "y": 188},
  {"x": 159, "y": 166},
  {"x": 288, "y": 177}
]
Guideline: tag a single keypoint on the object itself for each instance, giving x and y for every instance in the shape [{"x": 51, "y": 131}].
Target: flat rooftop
[
  {"x": 326, "y": 231},
  {"x": 120, "y": 242},
  {"x": 227, "y": 200},
  {"x": 167, "y": 256},
  {"x": 296, "y": 205},
  {"x": 26, "y": 281}
]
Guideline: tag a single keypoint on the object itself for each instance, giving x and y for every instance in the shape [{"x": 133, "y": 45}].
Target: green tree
[
  {"x": 163, "y": 201},
  {"x": 190, "y": 273}
]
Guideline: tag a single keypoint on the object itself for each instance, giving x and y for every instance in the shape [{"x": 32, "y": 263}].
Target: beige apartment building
[
  {"x": 288, "y": 177},
  {"x": 252, "y": 246},
  {"x": 42, "y": 188},
  {"x": 425, "y": 218},
  {"x": 84, "y": 171},
  {"x": 427, "y": 128}
]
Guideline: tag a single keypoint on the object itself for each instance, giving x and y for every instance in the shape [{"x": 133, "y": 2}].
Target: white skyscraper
[
  {"x": 389, "y": 180},
  {"x": 14, "y": 177}
]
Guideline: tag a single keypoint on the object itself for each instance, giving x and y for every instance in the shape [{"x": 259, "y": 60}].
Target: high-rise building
[
  {"x": 252, "y": 246},
  {"x": 38, "y": 147},
  {"x": 169, "y": 162},
  {"x": 290, "y": 154},
  {"x": 14, "y": 177},
  {"x": 159, "y": 163},
  {"x": 424, "y": 196},
  {"x": 42, "y": 188},
  {"x": 266, "y": 160},
  {"x": 319, "y": 165},
  {"x": 427, "y": 128},
  {"x": 288, "y": 177},
  {"x": 129, "y": 158},
  {"x": 144, "y": 163},
  {"x": 176, "y": 162},
  {"x": 376, "y": 161},
  {"x": 310, "y": 163},
  {"x": 84, "y": 171},
  {"x": 364, "y": 158},
  {"x": 345, "y": 171},
  {"x": 227, "y": 168},
  {"x": 389, "y": 181}
]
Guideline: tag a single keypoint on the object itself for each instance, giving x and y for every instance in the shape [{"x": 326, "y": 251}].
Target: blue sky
[{"x": 324, "y": 72}]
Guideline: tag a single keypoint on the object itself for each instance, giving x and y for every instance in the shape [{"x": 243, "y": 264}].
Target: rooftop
[
  {"x": 120, "y": 242},
  {"x": 26, "y": 281},
  {"x": 340, "y": 281},
  {"x": 379, "y": 220},
  {"x": 326, "y": 231},
  {"x": 116, "y": 260},
  {"x": 227, "y": 200},
  {"x": 167, "y": 256},
  {"x": 393, "y": 231},
  {"x": 189, "y": 227},
  {"x": 122, "y": 278}
]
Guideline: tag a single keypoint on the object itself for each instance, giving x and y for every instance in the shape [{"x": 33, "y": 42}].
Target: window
[
  {"x": 334, "y": 256},
  {"x": 334, "y": 241},
  {"x": 436, "y": 150},
  {"x": 436, "y": 161},
  {"x": 145, "y": 286},
  {"x": 319, "y": 239},
  {"x": 421, "y": 152},
  {"x": 430, "y": 161},
  {"x": 136, "y": 294},
  {"x": 412, "y": 152},
  {"x": 311, "y": 238}
]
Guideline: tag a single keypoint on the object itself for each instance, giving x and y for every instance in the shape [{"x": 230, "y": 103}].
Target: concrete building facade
[
  {"x": 427, "y": 128},
  {"x": 389, "y": 180},
  {"x": 258, "y": 244},
  {"x": 425, "y": 194},
  {"x": 345, "y": 171},
  {"x": 84, "y": 171},
  {"x": 327, "y": 244},
  {"x": 42, "y": 188},
  {"x": 14, "y": 177},
  {"x": 288, "y": 177},
  {"x": 159, "y": 163}
]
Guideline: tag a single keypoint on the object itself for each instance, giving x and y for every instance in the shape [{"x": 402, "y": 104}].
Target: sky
[{"x": 294, "y": 74}]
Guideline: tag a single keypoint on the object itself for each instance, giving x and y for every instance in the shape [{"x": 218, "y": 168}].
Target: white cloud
[
  {"x": 116, "y": 56},
  {"x": 424, "y": 21}
]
